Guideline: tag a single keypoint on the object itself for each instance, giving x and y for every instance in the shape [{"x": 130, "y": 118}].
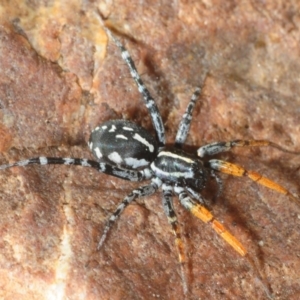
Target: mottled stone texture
[{"x": 59, "y": 79}]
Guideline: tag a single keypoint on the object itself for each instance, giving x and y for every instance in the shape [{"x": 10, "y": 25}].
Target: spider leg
[
  {"x": 137, "y": 193},
  {"x": 196, "y": 195},
  {"x": 172, "y": 218},
  {"x": 203, "y": 214},
  {"x": 218, "y": 147},
  {"x": 185, "y": 123},
  {"x": 236, "y": 170},
  {"x": 130, "y": 175},
  {"x": 206, "y": 216},
  {"x": 149, "y": 101},
  {"x": 219, "y": 183}
]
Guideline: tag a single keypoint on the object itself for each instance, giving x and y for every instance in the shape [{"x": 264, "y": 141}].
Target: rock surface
[{"x": 59, "y": 79}]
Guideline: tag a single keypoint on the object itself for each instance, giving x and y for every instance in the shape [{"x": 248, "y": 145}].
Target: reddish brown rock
[{"x": 56, "y": 84}]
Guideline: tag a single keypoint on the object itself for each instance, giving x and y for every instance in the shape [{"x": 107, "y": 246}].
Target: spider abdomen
[
  {"x": 177, "y": 166},
  {"x": 124, "y": 144}
]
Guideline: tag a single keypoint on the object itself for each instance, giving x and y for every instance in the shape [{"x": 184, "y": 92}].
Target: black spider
[{"x": 128, "y": 151}]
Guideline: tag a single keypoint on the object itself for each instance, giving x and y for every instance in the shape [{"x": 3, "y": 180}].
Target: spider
[{"x": 128, "y": 151}]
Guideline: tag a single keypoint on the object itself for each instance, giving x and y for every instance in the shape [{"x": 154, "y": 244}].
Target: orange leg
[
  {"x": 236, "y": 170},
  {"x": 206, "y": 216},
  {"x": 218, "y": 147}
]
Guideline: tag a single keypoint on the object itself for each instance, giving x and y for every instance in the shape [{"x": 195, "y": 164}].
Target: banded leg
[
  {"x": 137, "y": 193},
  {"x": 172, "y": 218},
  {"x": 236, "y": 170},
  {"x": 196, "y": 195},
  {"x": 203, "y": 214},
  {"x": 149, "y": 101},
  {"x": 218, "y": 147},
  {"x": 185, "y": 123},
  {"x": 101, "y": 167}
]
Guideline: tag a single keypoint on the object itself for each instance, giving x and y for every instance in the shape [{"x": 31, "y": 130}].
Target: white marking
[
  {"x": 157, "y": 181},
  {"x": 127, "y": 128},
  {"x": 121, "y": 136},
  {"x": 125, "y": 55},
  {"x": 171, "y": 220},
  {"x": 98, "y": 152},
  {"x": 186, "y": 202},
  {"x": 112, "y": 218},
  {"x": 212, "y": 149},
  {"x": 178, "y": 189},
  {"x": 124, "y": 174},
  {"x": 167, "y": 187},
  {"x": 102, "y": 167},
  {"x": 133, "y": 73},
  {"x": 150, "y": 103},
  {"x": 68, "y": 161},
  {"x": 115, "y": 157},
  {"x": 174, "y": 155},
  {"x": 216, "y": 164},
  {"x": 84, "y": 163},
  {"x": 121, "y": 207},
  {"x": 43, "y": 160},
  {"x": 164, "y": 174},
  {"x": 136, "y": 163},
  {"x": 143, "y": 141},
  {"x": 22, "y": 163},
  {"x": 104, "y": 127},
  {"x": 113, "y": 128},
  {"x": 201, "y": 151},
  {"x": 141, "y": 88},
  {"x": 97, "y": 128},
  {"x": 187, "y": 117},
  {"x": 147, "y": 173},
  {"x": 90, "y": 145}
]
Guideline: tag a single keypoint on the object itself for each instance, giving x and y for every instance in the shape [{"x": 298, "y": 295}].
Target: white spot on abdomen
[
  {"x": 136, "y": 163},
  {"x": 144, "y": 142},
  {"x": 127, "y": 128},
  {"x": 112, "y": 129},
  {"x": 121, "y": 136},
  {"x": 115, "y": 157},
  {"x": 98, "y": 152}
]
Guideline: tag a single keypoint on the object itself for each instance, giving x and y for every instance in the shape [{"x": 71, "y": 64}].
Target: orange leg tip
[
  {"x": 267, "y": 182},
  {"x": 229, "y": 238},
  {"x": 218, "y": 227},
  {"x": 201, "y": 213},
  {"x": 259, "y": 143},
  {"x": 231, "y": 169},
  {"x": 254, "y": 175}
]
